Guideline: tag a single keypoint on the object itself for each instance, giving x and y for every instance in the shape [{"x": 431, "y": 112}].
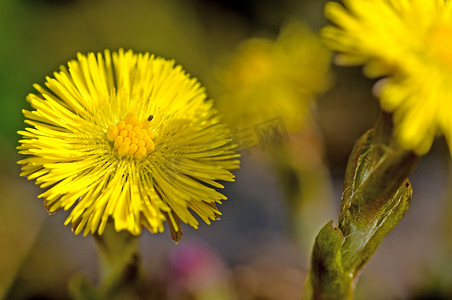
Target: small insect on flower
[{"x": 126, "y": 138}]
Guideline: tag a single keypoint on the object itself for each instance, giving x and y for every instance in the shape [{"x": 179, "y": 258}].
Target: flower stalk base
[{"x": 120, "y": 272}]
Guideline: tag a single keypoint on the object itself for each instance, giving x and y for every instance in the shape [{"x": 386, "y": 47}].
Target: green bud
[{"x": 377, "y": 194}]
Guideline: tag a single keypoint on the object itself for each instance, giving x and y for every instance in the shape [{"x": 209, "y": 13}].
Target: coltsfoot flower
[
  {"x": 128, "y": 138},
  {"x": 410, "y": 44},
  {"x": 263, "y": 78}
]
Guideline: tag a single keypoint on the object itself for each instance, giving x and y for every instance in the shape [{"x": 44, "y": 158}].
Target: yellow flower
[
  {"x": 128, "y": 138},
  {"x": 409, "y": 42},
  {"x": 264, "y": 79}
]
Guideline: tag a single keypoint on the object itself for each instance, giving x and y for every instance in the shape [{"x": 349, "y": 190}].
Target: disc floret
[{"x": 131, "y": 137}]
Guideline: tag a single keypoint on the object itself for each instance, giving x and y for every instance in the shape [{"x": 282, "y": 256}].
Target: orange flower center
[
  {"x": 131, "y": 137},
  {"x": 440, "y": 43}
]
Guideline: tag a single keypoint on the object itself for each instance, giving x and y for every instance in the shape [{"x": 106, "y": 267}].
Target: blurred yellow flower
[
  {"x": 128, "y": 138},
  {"x": 264, "y": 79},
  {"x": 410, "y": 42}
]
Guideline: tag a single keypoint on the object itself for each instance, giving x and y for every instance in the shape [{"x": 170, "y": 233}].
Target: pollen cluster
[{"x": 132, "y": 137}]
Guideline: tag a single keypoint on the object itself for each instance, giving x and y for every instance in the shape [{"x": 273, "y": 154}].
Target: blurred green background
[{"x": 251, "y": 247}]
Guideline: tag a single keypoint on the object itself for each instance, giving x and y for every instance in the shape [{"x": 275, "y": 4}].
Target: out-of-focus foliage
[{"x": 18, "y": 228}]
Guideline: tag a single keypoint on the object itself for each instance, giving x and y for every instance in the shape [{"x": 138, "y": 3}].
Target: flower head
[
  {"x": 264, "y": 79},
  {"x": 410, "y": 43},
  {"x": 128, "y": 138}
]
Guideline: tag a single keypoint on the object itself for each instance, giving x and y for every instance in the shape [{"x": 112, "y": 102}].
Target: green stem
[
  {"x": 120, "y": 273},
  {"x": 120, "y": 269}
]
